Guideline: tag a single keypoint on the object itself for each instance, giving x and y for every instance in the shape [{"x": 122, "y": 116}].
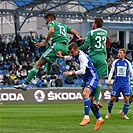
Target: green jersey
[
  {"x": 60, "y": 32},
  {"x": 96, "y": 41}
]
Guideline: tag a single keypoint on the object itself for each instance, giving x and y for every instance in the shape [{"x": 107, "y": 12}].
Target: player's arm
[
  {"x": 86, "y": 42},
  {"x": 81, "y": 39},
  {"x": 49, "y": 35},
  {"x": 130, "y": 70},
  {"x": 67, "y": 57},
  {"x": 83, "y": 63},
  {"x": 111, "y": 73},
  {"x": 75, "y": 34},
  {"x": 74, "y": 38}
]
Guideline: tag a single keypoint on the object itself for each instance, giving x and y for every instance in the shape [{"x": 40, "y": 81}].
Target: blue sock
[
  {"x": 110, "y": 105},
  {"x": 126, "y": 107},
  {"x": 95, "y": 112},
  {"x": 87, "y": 104},
  {"x": 130, "y": 101}
]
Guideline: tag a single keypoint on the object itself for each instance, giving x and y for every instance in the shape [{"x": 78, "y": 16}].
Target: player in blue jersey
[
  {"x": 131, "y": 94},
  {"x": 90, "y": 81},
  {"x": 122, "y": 69}
]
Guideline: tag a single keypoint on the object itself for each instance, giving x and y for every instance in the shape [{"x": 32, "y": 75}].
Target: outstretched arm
[
  {"x": 49, "y": 35},
  {"x": 86, "y": 42},
  {"x": 75, "y": 36}
]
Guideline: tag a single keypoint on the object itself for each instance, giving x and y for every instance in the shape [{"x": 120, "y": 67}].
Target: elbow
[
  {"x": 51, "y": 31},
  {"x": 73, "y": 32}
]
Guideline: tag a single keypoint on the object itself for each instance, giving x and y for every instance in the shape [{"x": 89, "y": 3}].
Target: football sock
[
  {"x": 97, "y": 92},
  {"x": 126, "y": 107},
  {"x": 86, "y": 116},
  {"x": 32, "y": 73},
  {"x": 100, "y": 119},
  {"x": 130, "y": 101},
  {"x": 95, "y": 112},
  {"x": 110, "y": 105},
  {"x": 49, "y": 67},
  {"x": 87, "y": 104}
]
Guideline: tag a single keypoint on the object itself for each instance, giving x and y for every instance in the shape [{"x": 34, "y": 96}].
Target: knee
[
  {"x": 126, "y": 99},
  {"x": 85, "y": 95},
  {"x": 112, "y": 99}
]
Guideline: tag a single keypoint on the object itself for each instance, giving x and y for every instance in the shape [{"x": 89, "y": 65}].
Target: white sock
[
  {"x": 99, "y": 119},
  {"x": 86, "y": 117},
  {"x": 24, "y": 84}
]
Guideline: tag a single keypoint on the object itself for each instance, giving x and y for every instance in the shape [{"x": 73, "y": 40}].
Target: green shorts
[
  {"x": 101, "y": 67},
  {"x": 50, "y": 54}
]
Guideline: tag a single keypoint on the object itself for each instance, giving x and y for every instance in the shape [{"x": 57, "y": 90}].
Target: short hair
[
  {"x": 123, "y": 50},
  {"x": 99, "y": 22},
  {"x": 50, "y": 15},
  {"x": 73, "y": 46}
]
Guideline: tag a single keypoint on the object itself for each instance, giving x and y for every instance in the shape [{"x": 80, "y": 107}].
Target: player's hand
[
  {"x": 108, "y": 82},
  {"x": 66, "y": 73},
  {"x": 38, "y": 45},
  {"x": 59, "y": 54}
]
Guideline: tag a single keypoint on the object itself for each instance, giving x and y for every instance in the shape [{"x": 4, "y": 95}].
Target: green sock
[
  {"x": 31, "y": 75},
  {"x": 49, "y": 67},
  {"x": 97, "y": 92}
]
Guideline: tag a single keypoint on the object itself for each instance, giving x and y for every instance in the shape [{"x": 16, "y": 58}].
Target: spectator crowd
[{"x": 18, "y": 56}]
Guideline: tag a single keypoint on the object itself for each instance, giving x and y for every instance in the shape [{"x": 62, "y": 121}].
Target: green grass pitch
[{"x": 60, "y": 118}]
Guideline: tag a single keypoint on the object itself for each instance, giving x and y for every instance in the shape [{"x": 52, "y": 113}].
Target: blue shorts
[
  {"x": 90, "y": 86},
  {"x": 125, "y": 89}
]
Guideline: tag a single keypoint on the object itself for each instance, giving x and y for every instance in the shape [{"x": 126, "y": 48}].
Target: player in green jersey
[
  {"x": 58, "y": 35},
  {"x": 131, "y": 95},
  {"x": 96, "y": 42}
]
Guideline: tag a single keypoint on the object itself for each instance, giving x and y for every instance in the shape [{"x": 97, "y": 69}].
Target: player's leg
[
  {"x": 114, "y": 94},
  {"x": 30, "y": 76},
  {"x": 126, "y": 107},
  {"x": 130, "y": 100},
  {"x": 87, "y": 103},
  {"x": 95, "y": 111},
  {"x": 97, "y": 93},
  {"x": 102, "y": 70},
  {"x": 43, "y": 60},
  {"x": 126, "y": 94},
  {"x": 49, "y": 67},
  {"x": 110, "y": 106}
]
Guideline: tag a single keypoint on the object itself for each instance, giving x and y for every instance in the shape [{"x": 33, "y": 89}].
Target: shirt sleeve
[
  {"x": 112, "y": 70},
  {"x": 86, "y": 43},
  {"x": 67, "y": 57},
  {"x": 50, "y": 24},
  {"x": 130, "y": 70},
  {"x": 83, "y": 64},
  {"x": 68, "y": 29}
]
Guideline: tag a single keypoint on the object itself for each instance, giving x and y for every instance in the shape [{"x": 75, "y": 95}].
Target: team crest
[{"x": 121, "y": 70}]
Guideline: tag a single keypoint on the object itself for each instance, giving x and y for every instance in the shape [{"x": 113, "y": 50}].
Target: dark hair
[
  {"x": 99, "y": 22},
  {"x": 50, "y": 15},
  {"x": 73, "y": 46}
]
